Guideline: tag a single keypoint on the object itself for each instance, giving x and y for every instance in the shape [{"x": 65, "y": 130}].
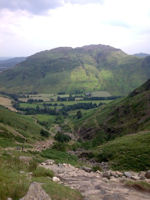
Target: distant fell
[
  {"x": 6, "y": 63},
  {"x": 75, "y": 70},
  {"x": 141, "y": 55}
]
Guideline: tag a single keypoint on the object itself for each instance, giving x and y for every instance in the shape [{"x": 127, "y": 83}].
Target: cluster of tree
[
  {"x": 44, "y": 133},
  {"x": 77, "y": 106},
  {"x": 70, "y": 98},
  {"x": 34, "y": 100},
  {"x": 60, "y": 137},
  {"x": 13, "y": 96},
  {"x": 32, "y": 93},
  {"x": 86, "y": 98},
  {"x": 79, "y": 114},
  {"x": 101, "y": 98},
  {"x": 37, "y": 110},
  {"x": 53, "y": 111},
  {"x": 61, "y": 93},
  {"x": 43, "y": 123}
]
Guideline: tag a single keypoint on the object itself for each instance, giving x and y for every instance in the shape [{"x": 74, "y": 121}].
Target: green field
[
  {"x": 48, "y": 119},
  {"x": 34, "y": 105}
]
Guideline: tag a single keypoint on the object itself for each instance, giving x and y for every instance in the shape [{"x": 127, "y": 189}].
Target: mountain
[
  {"x": 84, "y": 69},
  {"x": 4, "y": 58},
  {"x": 125, "y": 116},
  {"x": 141, "y": 55},
  {"x": 9, "y": 63}
]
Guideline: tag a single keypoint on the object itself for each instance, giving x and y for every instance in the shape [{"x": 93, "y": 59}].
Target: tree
[
  {"x": 44, "y": 133},
  {"x": 79, "y": 114},
  {"x": 60, "y": 137}
]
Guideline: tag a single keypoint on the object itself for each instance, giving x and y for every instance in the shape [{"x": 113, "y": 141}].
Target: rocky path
[
  {"x": 93, "y": 186},
  {"x": 42, "y": 145},
  {"x": 36, "y": 192}
]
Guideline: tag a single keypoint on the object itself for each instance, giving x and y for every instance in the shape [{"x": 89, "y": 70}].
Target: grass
[
  {"x": 30, "y": 105},
  {"x": 59, "y": 192},
  {"x": 59, "y": 156},
  {"x": 45, "y": 119},
  {"x": 101, "y": 94},
  {"x": 130, "y": 152},
  {"x": 17, "y": 127},
  {"x": 15, "y": 181},
  {"x": 6, "y": 102},
  {"x": 42, "y": 172},
  {"x": 12, "y": 183}
]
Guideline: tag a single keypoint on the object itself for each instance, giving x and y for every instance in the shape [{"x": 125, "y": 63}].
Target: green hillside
[
  {"x": 17, "y": 129},
  {"x": 130, "y": 152},
  {"x": 89, "y": 68},
  {"x": 125, "y": 116}
]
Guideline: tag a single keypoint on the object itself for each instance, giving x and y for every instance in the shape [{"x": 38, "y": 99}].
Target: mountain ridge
[
  {"x": 82, "y": 69},
  {"x": 141, "y": 55}
]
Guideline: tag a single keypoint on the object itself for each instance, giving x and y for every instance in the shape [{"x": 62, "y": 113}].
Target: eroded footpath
[{"x": 93, "y": 185}]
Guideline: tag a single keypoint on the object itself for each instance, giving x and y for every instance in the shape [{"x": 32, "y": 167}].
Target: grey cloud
[
  {"x": 84, "y": 1},
  {"x": 33, "y": 6},
  {"x": 39, "y": 6}
]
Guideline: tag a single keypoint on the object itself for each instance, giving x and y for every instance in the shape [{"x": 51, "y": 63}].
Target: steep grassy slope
[
  {"x": 89, "y": 68},
  {"x": 129, "y": 152},
  {"x": 125, "y": 116},
  {"x": 15, "y": 127}
]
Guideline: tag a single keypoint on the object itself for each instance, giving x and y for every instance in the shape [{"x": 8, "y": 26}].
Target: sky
[{"x": 30, "y": 26}]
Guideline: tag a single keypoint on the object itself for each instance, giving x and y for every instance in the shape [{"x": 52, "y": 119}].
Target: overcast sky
[{"x": 29, "y": 26}]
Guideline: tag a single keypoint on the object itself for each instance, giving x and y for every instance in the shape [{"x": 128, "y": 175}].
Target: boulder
[
  {"x": 136, "y": 178},
  {"x": 105, "y": 180},
  {"x": 22, "y": 172},
  {"x": 113, "y": 179},
  {"x": 141, "y": 175},
  {"x": 107, "y": 174},
  {"x": 127, "y": 174},
  {"x": 114, "y": 174},
  {"x": 25, "y": 159},
  {"x": 43, "y": 164},
  {"x": 99, "y": 172},
  {"x": 119, "y": 173},
  {"x": 56, "y": 179},
  {"x": 49, "y": 162},
  {"x": 87, "y": 169},
  {"x": 147, "y": 174}
]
